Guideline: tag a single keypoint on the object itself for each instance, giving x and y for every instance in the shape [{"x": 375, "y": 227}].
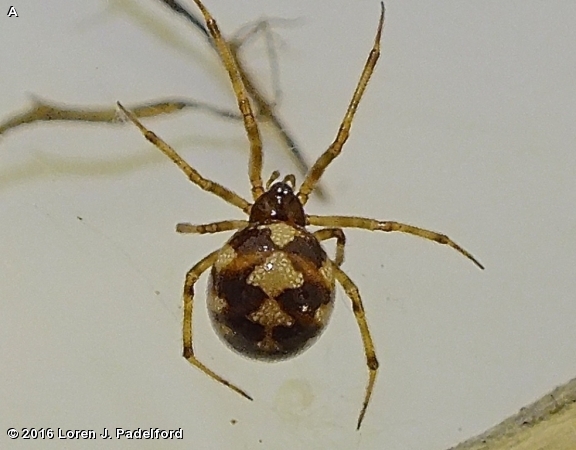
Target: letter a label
[{"x": 12, "y": 12}]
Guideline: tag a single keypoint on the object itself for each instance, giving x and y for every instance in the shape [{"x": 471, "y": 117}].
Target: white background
[{"x": 467, "y": 128}]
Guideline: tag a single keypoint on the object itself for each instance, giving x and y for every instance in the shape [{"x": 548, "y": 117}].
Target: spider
[{"x": 271, "y": 287}]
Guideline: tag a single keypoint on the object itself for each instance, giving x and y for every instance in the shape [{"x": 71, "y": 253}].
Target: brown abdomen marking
[{"x": 270, "y": 293}]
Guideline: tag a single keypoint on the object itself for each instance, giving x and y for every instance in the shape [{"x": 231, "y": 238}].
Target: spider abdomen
[{"x": 271, "y": 291}]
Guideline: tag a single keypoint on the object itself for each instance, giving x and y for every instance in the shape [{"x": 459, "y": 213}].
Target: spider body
[{"x": 271, "y": 289}]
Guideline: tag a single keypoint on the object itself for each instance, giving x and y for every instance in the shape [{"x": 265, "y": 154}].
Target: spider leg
[
  {"x": 388, "y": 226},
  {"x": 358, "y": 309},
  {"x": 188, "y": 352},
  {"x": 215, "y": 227},
  {"x": 265, "y": 108},
  {"x": 193, "y": 175},
  {"x": 335, "y": 148},
  {"x": 255, "y": 165},
  {"x": 338, "y": 233}
]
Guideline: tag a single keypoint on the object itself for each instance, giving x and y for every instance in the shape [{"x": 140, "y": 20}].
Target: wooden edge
[{"x": 547, "y": 424}]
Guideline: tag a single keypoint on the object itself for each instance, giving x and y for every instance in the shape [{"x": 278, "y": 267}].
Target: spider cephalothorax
[
  {"x": 272, "y": 285},
  {"x": 278, "y": 203}
]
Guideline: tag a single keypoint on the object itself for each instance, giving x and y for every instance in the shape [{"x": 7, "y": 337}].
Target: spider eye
[{"x": 278, "y": 203}]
